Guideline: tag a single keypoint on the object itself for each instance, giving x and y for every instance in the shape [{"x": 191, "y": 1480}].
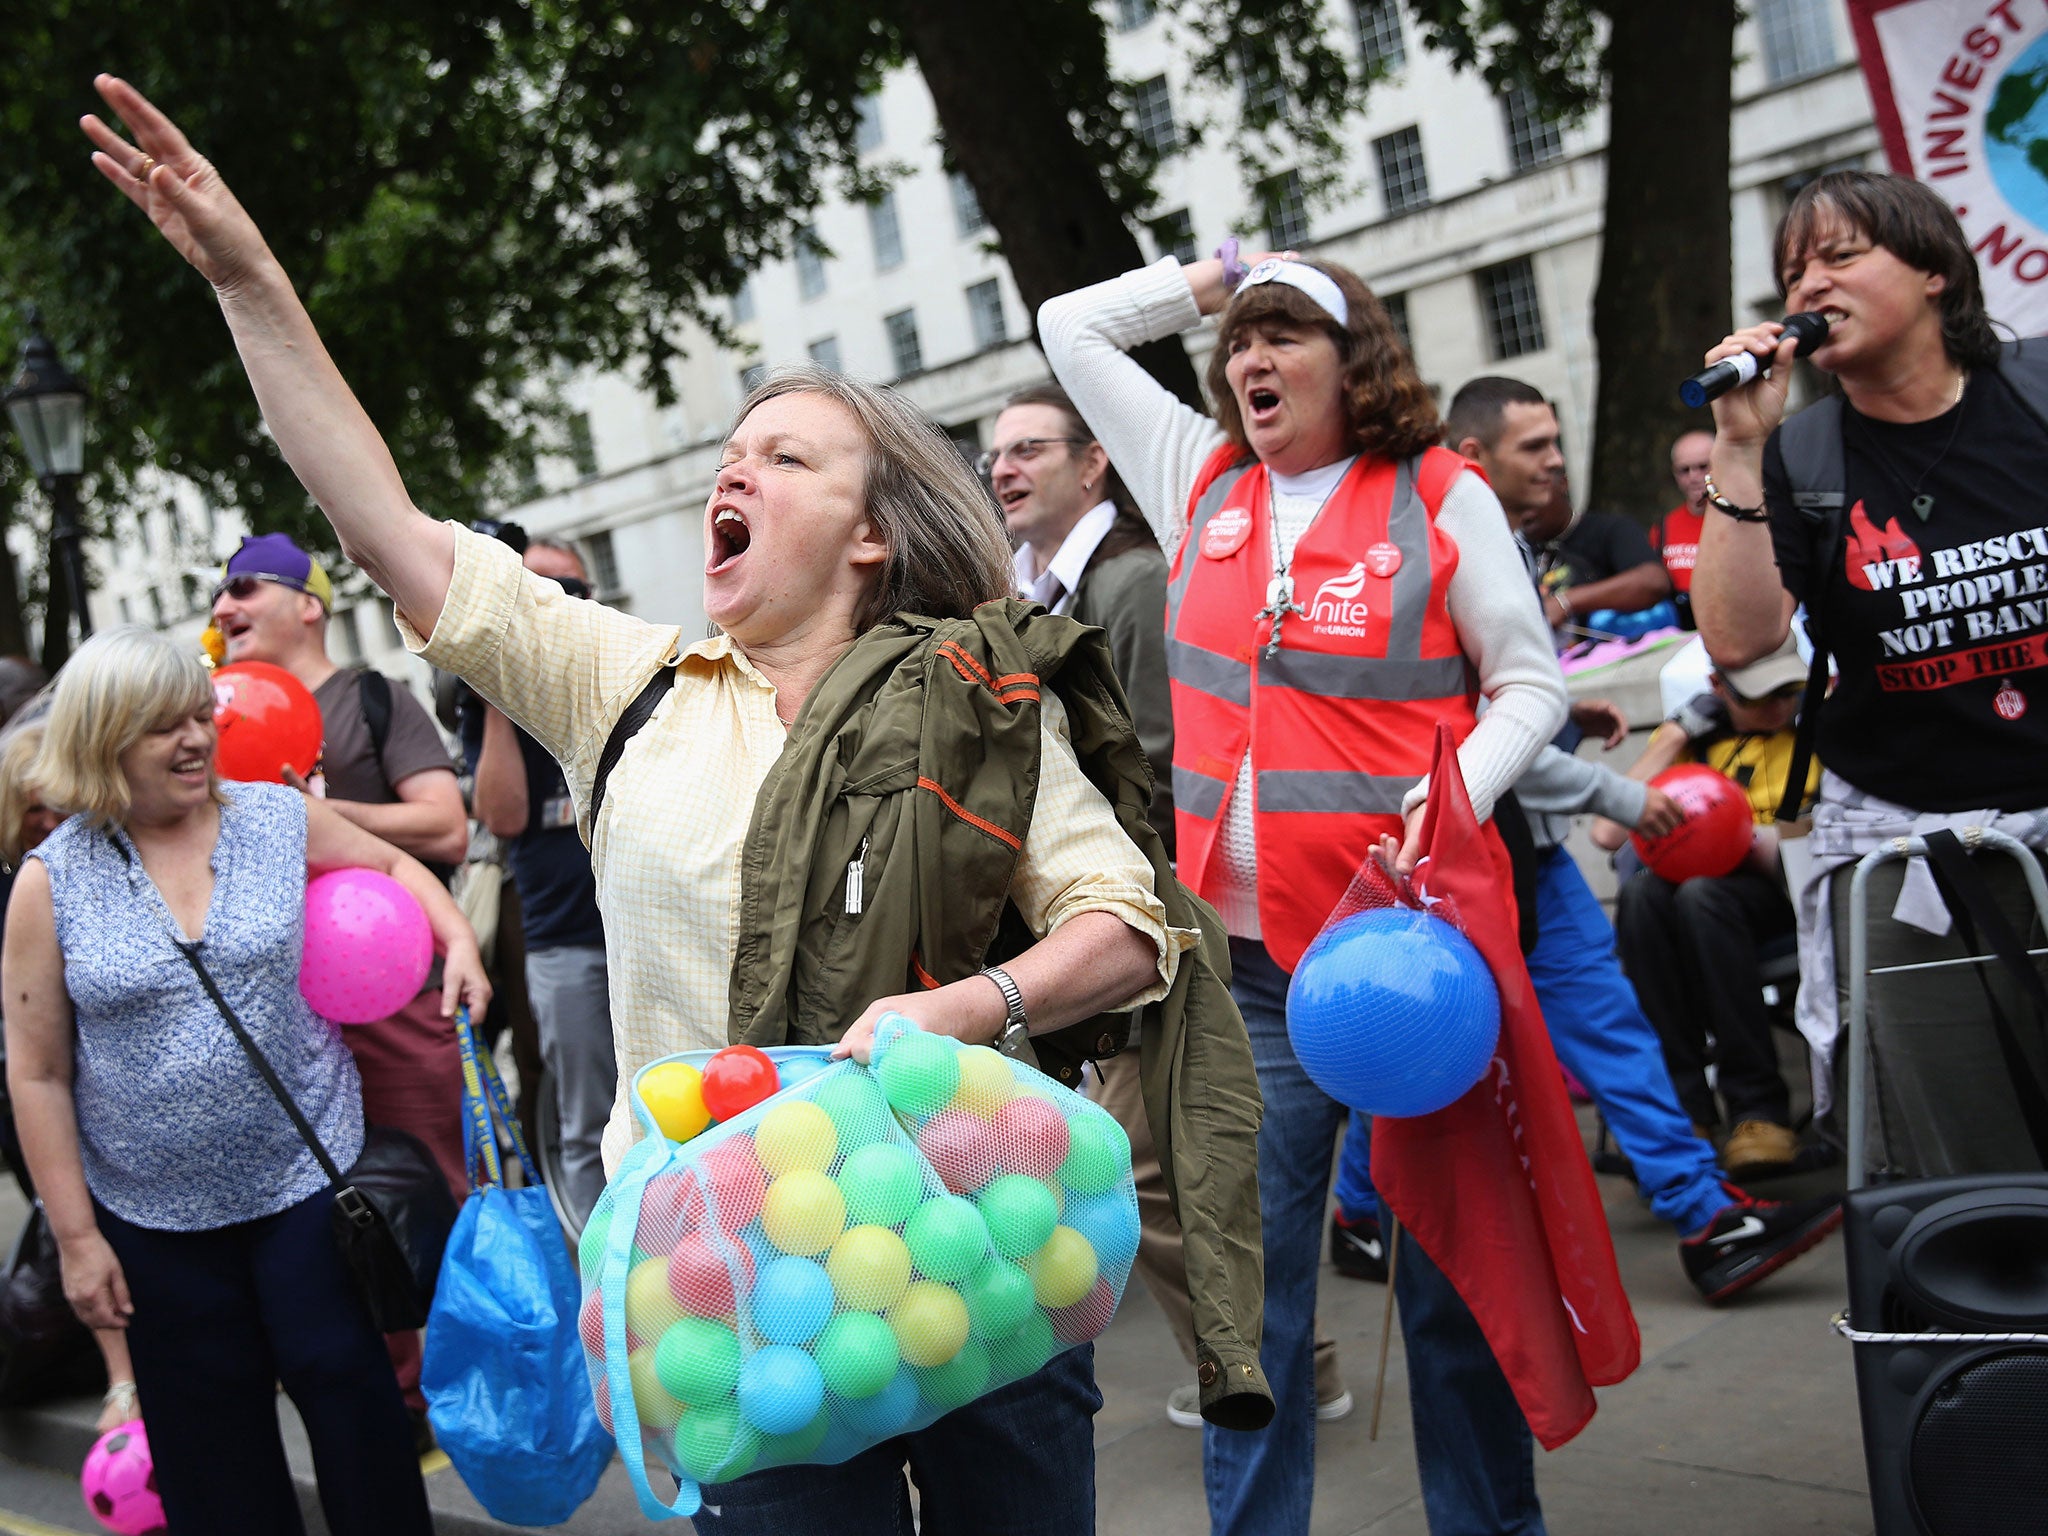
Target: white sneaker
[
  {"x": 1184, "y": 1406},
  {"x": 1336, "y": 1408}
]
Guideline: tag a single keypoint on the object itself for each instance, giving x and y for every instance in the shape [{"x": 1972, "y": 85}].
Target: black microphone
[{"x": 1712, "y": 383}]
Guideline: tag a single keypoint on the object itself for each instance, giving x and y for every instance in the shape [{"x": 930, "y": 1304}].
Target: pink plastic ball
[
  {"x": 119, "y": 1482},
  {"x": 368, "y": 946},
  {"x": 1030, "y": 1137},
  {"x": 961, "y": 1147},
  {"x": 1086, "y": 1318}
]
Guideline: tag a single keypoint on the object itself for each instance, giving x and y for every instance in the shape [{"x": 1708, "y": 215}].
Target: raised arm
[
  {"x": 320, "y": 427},
  {"x": 1738, "y": 600}
]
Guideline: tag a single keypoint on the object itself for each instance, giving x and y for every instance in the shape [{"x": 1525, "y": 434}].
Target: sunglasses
[{"x": 242, "y": 588}]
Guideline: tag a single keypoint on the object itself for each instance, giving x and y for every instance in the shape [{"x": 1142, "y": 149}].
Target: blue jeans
[
  {"x": 1602, "y": 1036},
  {"x": 1473, "y": 1449},
  {"x": 1018, "y": 1462}
]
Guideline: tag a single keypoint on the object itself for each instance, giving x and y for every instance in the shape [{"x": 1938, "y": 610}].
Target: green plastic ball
[
  {"x": 947, "y": 1238},
  {"x": 798, "y": 1445},
  {"x": 856, "y": 1354},
  {"x": 882, "y": 1184},
  {"x": 919, "y": 1073},
  {"x": 998, "y": 1298},
  {"x": 1024, "y": 1351},
  {"x": 715, "y": 1445},
  {"x": 1098, "y": 1155},
  {"x": 1020, "y": 1212},
  {"x": 856, "y": 1107},
  {"x": 957, "y": 1382},
  {"x": 698, "y": 1361},
  {"x": 590, "y": 1247}
]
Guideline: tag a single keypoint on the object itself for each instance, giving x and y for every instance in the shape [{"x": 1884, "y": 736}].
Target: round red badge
[
  {"x": 1383, "y": 559},
  {"x": 2009, "y": 702},
  {"x": 1225, "y": 533}
]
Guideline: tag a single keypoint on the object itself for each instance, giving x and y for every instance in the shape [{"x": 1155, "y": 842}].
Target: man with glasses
[
  {"x": 384, "y": 767},
  {"x": 522, "y": 796},
  {"x": 1693, "y": 950}
]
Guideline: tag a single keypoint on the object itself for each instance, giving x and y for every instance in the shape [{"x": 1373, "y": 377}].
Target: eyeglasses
[
  {"x": 242, "y": 588},
  {"x": 1022, "y": 451}
]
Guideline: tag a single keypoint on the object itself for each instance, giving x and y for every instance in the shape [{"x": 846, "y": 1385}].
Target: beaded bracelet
[{"x": 1721, "y": 503}]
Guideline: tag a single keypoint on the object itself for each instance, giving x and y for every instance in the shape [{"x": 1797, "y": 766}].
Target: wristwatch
[{"x": 1016, "y": 1027}]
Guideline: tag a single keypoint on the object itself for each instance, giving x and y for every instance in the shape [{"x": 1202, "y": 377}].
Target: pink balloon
[{"x": 368, "y": 946}]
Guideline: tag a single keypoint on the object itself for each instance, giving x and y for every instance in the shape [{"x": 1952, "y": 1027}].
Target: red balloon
[
  {"x": 961, "y": 1147},
  {"x": 1086, "y": 1318},
  {"x": 267, "y": 721},
  {"x": 699, "y": 1279},
  {"x": 1030, "y": 1137},
  {"x": 1716, "y": 833},
  {"x": 736, "y": 1079},
  {"x": 738, "y": 1185}
]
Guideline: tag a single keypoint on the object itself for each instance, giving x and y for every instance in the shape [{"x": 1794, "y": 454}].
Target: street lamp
[{"x": 47, "y": 405}]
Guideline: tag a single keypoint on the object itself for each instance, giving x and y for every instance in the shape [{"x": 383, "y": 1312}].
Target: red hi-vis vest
[{"x": 1341, "y": 719}]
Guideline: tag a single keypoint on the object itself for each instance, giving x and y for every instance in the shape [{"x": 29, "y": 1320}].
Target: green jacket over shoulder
[
  {"x": 906, "y": 722},
  {"x": 1124, "y": 595}
]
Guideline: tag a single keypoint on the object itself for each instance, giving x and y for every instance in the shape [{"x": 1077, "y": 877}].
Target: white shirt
[{"x": 1054, "y": 587}]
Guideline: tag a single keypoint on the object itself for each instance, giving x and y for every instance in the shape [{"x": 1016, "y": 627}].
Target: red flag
[{"x": 1497, "y": 1187}]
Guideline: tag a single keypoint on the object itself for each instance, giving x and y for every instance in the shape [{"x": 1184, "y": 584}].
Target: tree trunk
[
  {"x": 1663, "y": 294},
  {"x": 999, "y": 105}
]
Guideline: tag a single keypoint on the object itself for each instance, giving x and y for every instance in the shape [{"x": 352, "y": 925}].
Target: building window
[
  {"x": 1263, "y": 87},
  {"x": 1286, "y": 210},
  {"x": 127, "y": 611},
  {"x": 348, "y": 637},
  {"x": 985, "y": 311},
  {"x": 156, "y": 607},
  {"x": 1380, "y": 43},
  {"x": 142, "y": 532},
  {"x": 810, "y": 263},
  {"x": 1396, "y": 306},
  {"x": 582, "y": 446},
  {"x": 825, "y": 353},
  {"x": 869, "y": 134},
  {"x": 1514, "y": 316},
  {"x": 904, "y": 348},
  {"x": 743, "y": 303},
  {"x": 1132, "y": 14},
  {"x": 190, "y": 584},
  {"x": 1797, "y": 35},
  {"x": 1152, "y": 115},
  {"x": 1404, "y": 180},
  {"x": 752, "y": 377},
  {"x": 1175, "y": 233},
  {"x": 967, "y": 215},
  {"x": 602, "y": 561},
  {"x": 1533, "y": 139},
  {"x": 886, "y": 232}
]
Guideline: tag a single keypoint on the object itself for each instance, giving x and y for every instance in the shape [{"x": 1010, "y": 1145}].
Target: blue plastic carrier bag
[
  {"x": 854, "y": 1256},
  {"x": 502, "y": 1375}
]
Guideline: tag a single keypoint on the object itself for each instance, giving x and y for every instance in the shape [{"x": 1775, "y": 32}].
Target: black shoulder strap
[
  {"x": 636, "y": 715},
  {"x": 373, "y": 690},
  {"x": 1811, "y": 443}
]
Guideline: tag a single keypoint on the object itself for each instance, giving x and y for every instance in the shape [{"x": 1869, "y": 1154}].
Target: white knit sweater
[{"x": 1158, "y": 445}]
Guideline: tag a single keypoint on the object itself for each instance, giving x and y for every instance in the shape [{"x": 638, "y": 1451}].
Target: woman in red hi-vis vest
[{"x": 1340, "y": 585}]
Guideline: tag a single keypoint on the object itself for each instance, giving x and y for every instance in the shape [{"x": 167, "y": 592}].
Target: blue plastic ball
[
  {"x": 780, "y": 1389},
  {"x": 798, "y": 1069},
  {"x": 885, "y": 1414},
  {"x": 792, "y": 1300},
  {"x": 1393, "y": 1012},
  {"x": 1109, "y": 1222}
]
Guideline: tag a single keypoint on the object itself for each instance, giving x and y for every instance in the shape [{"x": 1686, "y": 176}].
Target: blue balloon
[
  {"x": 1393, "y": 1012},
  {"x": 1109, "y": 1222},
  {"x": 792, "y": 1301},
  {"x": 781, "y": 1389},
  {"x": 885, "y": 1413}
]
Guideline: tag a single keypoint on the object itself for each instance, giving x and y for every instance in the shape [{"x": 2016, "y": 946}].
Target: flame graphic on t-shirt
[{"x": 1869, "y": 545}]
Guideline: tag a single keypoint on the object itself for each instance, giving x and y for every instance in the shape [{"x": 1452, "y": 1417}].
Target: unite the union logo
[{"x": 1337, "y": 607}]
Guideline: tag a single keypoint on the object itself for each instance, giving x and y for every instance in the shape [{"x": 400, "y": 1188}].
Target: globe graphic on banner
[{"x": 2016, "y": 134}]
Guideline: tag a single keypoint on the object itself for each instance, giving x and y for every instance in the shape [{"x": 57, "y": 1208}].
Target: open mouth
[
  {"x": 1014, "y": 496},
  {"x": 1264, "y": 402},
  {"x": 188, "y": 766},
  {"x": 730, "y": 537}
]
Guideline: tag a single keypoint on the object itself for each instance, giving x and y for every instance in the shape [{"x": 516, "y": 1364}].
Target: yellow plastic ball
[
  {"x": 985, "y": 1082},
  {"x": 651, "y": 1401},
  {"x": 793, "y": 1136},
  {"x": 804, "y": 1212},
  {"x": 651, "y": 1308},
  {"x": 869, "y": 1267},
  {"x": 930, "y": 1323},
  {"x": 673, "y": 1092},
  {"x": 1063, "y": 1271}
]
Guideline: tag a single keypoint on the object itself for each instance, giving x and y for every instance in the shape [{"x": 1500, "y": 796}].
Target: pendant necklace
[
  {"x": 1280, "y": 590},
  {"x": 1921, "y": 502}
]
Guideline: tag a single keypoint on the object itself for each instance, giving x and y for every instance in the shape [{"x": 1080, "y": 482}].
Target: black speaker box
[{"x": 1955, "y": 1432}]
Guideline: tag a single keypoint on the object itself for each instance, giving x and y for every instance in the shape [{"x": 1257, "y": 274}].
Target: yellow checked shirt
[{"x": 666, "y": 850}]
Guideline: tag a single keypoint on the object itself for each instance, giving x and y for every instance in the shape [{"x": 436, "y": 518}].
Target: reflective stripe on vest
[{"x": 1340, "y": 720}]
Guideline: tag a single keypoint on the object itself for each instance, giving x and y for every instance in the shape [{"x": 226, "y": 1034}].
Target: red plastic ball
[
  {"x": 961, "y": 1147},
  {"x": 1030, "y": 1137},
  {"x": 671, "y": 1205},
  {"x": 699, "y": 1279},
  {"x": 737, "y": 1183},
  {"x": 1086, "y": 1318},
  {"x": 601, "y": 1394},
  {"x": 736, "y": 1079},
  {"x": 1716, "y": 833},
  {"x": 267, "y": 721},
  {"x": 590, "y": 1323}
]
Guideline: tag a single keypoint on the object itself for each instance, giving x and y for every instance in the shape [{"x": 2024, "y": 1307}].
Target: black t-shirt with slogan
[{"x": 1939, "y": 628}]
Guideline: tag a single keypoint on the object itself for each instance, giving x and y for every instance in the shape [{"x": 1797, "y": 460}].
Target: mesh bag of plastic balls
[{"x": 845, "y": 1259}]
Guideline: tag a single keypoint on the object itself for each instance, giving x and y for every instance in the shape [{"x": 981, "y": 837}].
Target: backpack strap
[
  {"x": 1811, "y": 443},
  {"x": 373, "y": 693},
  {"x": 637, "y": 714}
]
